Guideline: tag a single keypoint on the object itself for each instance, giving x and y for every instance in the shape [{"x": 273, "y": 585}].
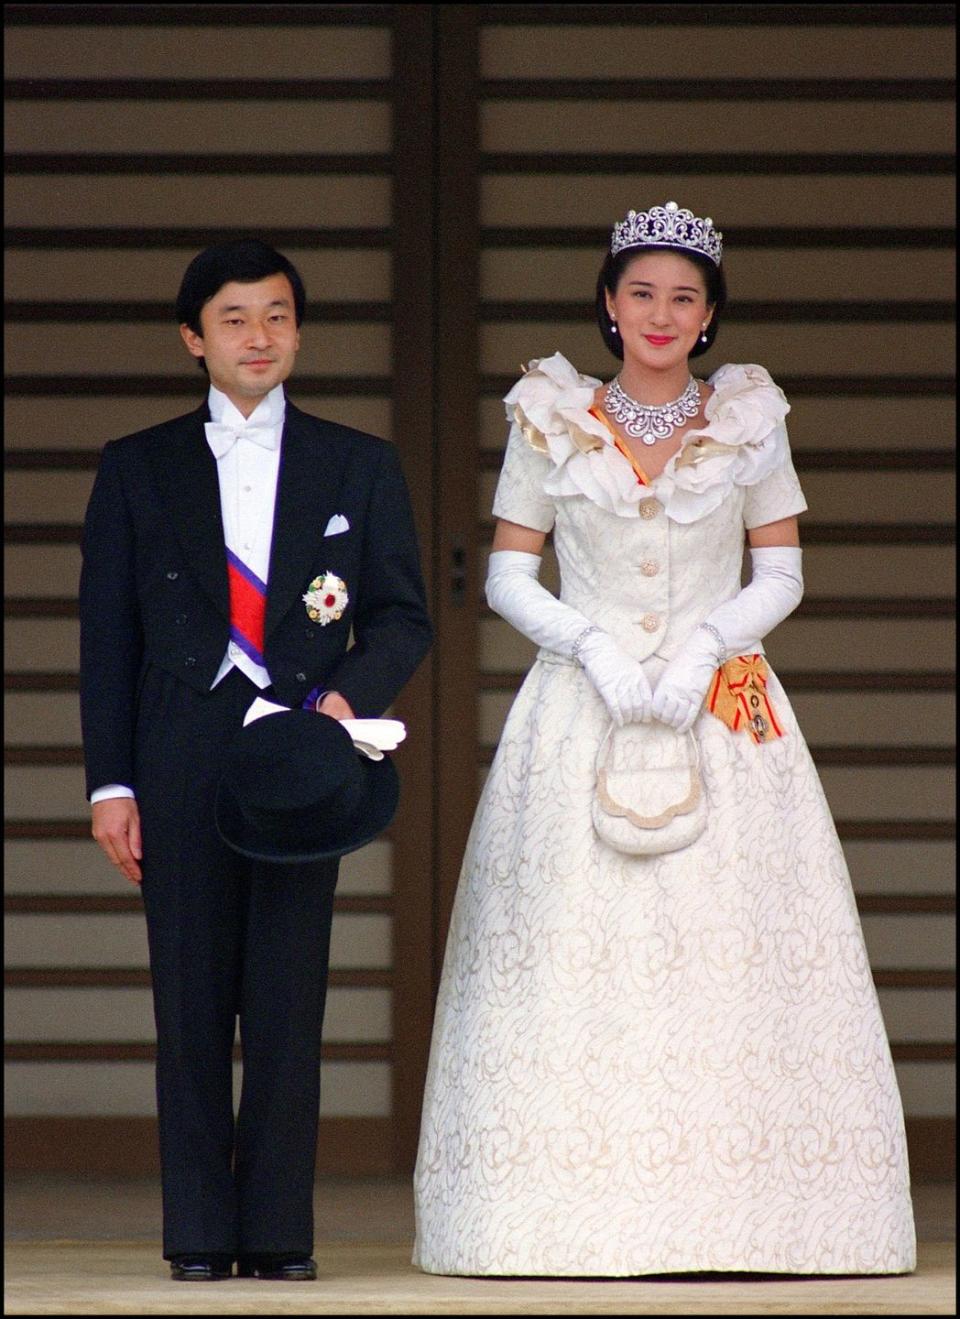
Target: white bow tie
[{"x": 222, "y": 438}]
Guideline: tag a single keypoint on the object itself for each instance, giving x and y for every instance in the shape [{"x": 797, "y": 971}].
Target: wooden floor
[{"x": 92, "y": 1247}]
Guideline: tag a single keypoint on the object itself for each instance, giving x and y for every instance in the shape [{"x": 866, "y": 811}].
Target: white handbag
[{"x": 649, "y": 794}]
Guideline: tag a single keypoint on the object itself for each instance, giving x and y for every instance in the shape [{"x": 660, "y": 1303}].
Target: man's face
[{"x": 250, "y": 338}]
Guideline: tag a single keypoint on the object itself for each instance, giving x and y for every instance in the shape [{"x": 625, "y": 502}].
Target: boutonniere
[{"x": 326, "y": 598}]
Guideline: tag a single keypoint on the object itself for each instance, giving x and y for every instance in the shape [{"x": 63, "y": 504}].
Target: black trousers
[{"x": 229, "y": 939}]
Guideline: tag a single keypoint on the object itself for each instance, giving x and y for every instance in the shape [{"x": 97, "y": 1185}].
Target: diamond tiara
[{"x": 668, "y": 226}]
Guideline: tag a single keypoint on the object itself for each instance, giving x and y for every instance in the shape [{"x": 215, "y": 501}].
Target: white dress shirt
[{"x": 247, "y": 471}]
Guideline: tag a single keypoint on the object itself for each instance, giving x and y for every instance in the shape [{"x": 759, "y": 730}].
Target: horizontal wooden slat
[
  {"x": 899, "y": 351},
  {"x": 746, "y": 313},
  {"x": 148, "y": 199},
  {"x": 811, "y": 164},
  {"x": 794, "y": 386},
  {"x": 355, "y": 1089},
  {"x": 42, "y": 977},
  {"x": 131, "y": 313},
  {"x": 798, "y": 275},
  {"x": 117, "y": 977},
  {"x": 820, "y": 235},
  {"x": 111, "y": 1015},
  {"x": 709, "y": 16},
  {"x": 349, "y": 51},
  {"x": 767, "y": 88},
  {"x": 193, "y": 16},
  {"x": 142, "y": 127},
  {"x": 25, "y": 1051},
  {"x": 76, "y": 866},
  {"x": 129, "y": 1146},
  {"x": 57, "y": 903},
  {"x": 126, "y": 386},
  {"x": 156, "y": 346},
  {"x": 265, "y": 89},
  {"x": 143, "y": 237},
  {"x": 677, "y": 45},
  {"x": 715, "y": 162},
  {"x": 117, "y": 1052},
  {"x": 122, "y": 276},
  {"x": 823, "y": 755},
  {"x": 132, "y": 904}
]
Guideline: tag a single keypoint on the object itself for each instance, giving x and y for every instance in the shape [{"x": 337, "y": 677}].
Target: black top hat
[{"x": 294, "y": 788}]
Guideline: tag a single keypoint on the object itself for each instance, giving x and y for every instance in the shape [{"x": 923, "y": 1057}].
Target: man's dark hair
[{"x": 245, "y": 260}]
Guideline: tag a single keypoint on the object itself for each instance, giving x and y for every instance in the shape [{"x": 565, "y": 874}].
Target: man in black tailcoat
[{"x": 228, "y": 554}]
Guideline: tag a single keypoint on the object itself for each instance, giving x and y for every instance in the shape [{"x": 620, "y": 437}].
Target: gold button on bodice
[
  {"x": 649, "y": 508},
  {"x": 649, "y": 567},
  {"x": 650, "y": 622}
]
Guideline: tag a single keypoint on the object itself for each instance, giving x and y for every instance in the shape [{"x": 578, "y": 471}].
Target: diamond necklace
[{"x": 651, "y": 422}]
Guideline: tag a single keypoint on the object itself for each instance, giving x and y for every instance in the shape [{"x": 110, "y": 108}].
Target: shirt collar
[{"x": 268, "y": 412}]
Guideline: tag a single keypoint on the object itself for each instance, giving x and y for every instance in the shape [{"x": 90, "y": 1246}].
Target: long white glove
[
  {"x": 775, "y": 590},
  {"x": 514, "y": 592}
]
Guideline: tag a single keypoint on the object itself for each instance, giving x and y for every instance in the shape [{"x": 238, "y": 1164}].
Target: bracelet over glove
[
  {"x": 514, "y": 592},
  {"x": 775, "y": 590}
]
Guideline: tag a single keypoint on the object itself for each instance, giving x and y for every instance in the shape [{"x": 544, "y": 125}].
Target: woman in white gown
[{"x": 671, "y": 1062}]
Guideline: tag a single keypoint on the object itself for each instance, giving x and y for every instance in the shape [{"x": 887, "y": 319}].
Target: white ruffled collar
[{"x": 744, "y": 439}]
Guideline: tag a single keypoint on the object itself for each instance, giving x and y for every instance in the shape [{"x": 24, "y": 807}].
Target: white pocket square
[{"x": 336, "y": 525}]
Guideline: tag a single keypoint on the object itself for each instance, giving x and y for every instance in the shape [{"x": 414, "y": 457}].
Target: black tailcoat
[{"x": 232, "y": 939}]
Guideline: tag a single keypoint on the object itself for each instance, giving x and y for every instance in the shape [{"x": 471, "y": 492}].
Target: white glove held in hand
[
  {"x": 514, "y": 592},
  {"x": 775, "y": 590}
]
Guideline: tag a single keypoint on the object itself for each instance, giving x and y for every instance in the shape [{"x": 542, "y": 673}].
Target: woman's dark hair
[
  {"x": 611, "y": 273},
  {"x": 245, "y": 260}
]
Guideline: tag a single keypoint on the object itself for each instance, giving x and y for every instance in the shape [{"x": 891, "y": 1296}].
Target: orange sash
[{"x": 738, "y": 697}]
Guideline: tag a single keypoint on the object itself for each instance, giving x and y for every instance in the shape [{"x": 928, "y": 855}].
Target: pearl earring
[
  {"x": 703, "y": 336},
  {"x": 613, "y": 327}
]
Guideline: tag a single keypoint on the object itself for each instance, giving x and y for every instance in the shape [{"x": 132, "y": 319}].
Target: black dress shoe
[
  {"x": 277, "y": 1268},
  {"x": 200, "y": 1268}
]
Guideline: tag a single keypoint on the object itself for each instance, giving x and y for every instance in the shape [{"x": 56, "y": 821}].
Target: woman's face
[{"x": 660, "y": 309}]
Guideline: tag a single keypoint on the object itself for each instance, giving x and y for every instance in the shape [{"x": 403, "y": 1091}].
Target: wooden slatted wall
[
  {"x": 137, "y": 135},
  {"x": 819, "y": 139}
]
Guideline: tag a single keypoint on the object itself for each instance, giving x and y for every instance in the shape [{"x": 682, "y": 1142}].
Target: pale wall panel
[
  {"x": 820, "y": 423},
  {"x": 88, "y": 422},
  {"x": 70, "y": 940},
  {"x": 919, "y": 1014},
  {"x": 841, "y": 644},
  {"x": 920, "y": 941},
  {"x": 144, "y": 126},
  {"x": 927, "y": 1089},
  {"x": 55, "y": 51},
  {"x": 880, "y": 348},
  {"x": 848, "y": 644},
  {"x": 41, "y": 719},
  {"x": 45, "y": 792},
  {"x": 74, "y": 866},
  {"x": 358, "y": 1089},
  {"x": 902, "y": 866},
  {"x": 124, "y": 274},
  {"x": 733, "y": 200},
  {"x": 890, "y": 792},
  {"x": 753, "y": 274},
  {"x": 186, "y": 200},
  {"x": 154, "y": 349},
  {"x": 41, "y": 570},
  {"x": 867, "y": 125},
  {"x": 626, "y": 51},
  {"x": 126, "y": 1015}
]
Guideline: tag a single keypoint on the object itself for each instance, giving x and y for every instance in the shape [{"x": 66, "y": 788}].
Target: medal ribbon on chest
[{"x": 738, "y": 697}]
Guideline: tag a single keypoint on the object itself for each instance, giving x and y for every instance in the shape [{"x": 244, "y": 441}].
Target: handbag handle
[{"x": 619, "y": 811}]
